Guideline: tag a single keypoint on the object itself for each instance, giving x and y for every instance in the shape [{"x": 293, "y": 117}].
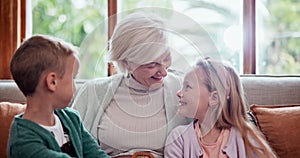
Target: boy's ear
[
  {"x": 214, "y": 98},
  {"x": 51, "y": 81}
]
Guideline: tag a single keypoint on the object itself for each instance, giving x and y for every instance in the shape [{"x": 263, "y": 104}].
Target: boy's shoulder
[
  {"x": 22, "y": 129},
  {"x": 67, "y": 113}
]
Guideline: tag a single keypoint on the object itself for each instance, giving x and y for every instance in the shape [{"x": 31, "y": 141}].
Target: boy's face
[
  {"x": 194, "y": 95},
  {"x": 66, "y": 86}
]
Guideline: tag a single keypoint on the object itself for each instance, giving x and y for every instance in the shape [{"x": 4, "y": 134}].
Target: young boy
[{"x": 44, "y": 69}]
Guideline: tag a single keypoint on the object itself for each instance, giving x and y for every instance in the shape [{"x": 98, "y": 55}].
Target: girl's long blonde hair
[{"x": 223, "y": 78}]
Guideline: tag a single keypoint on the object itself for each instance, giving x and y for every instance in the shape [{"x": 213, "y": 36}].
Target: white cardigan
[{"x": 94, "y": 97}]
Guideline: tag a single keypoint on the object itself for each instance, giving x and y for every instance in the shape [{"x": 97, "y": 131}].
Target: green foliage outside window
[
  {"x": 84, "y": 24},
  {"x": 75, "y": 22}
]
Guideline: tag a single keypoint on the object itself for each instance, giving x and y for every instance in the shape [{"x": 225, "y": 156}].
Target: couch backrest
[
  {"x": 264, "y": 90},
  {"x": 271, "y": 90},
  {"x": 9, "y": 91}
]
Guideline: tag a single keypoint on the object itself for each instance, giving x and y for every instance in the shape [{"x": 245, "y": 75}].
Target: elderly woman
[{"x": 133, "y": 111}]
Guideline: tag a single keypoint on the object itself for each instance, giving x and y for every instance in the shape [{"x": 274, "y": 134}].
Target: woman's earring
[{"x": 128, "y": 75}]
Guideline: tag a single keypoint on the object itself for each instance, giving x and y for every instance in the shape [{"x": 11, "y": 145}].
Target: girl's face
[
  {"x": 194, "y": 95},
  {"x": 152, "y": 74}
]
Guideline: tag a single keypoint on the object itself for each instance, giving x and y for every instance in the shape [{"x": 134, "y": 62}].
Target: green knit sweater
[{"x": 28, "y": 139}]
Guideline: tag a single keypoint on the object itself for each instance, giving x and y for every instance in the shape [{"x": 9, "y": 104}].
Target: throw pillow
[
  {"x": 7, "y": 112},
  {"x": 281, "y": 126}
]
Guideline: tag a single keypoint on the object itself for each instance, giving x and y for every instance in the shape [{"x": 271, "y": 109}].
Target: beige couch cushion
[
  {"x": 262, "y": 90},
  {"x": 271, "y": 90},
  {"x": 10, "y": 92},
  {"x": 281, "y": 126}
]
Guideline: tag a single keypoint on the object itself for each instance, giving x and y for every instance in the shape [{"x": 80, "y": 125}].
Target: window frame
[
  {"x": 249, "y": 35},
  {"x": 12, "y": 30}
]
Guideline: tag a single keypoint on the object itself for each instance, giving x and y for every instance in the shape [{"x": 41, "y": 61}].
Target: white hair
[{"x": 139, "y": 38}]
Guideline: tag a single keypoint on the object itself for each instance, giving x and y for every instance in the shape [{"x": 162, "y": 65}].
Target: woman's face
[
  {"x": 194, "y": 95},
  {"x": 152, "y": 74}
]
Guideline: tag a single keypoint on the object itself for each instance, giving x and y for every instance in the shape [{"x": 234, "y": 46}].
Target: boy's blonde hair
[
  {"x": 231, "y": 112},
  {"x": 36, "y": 55}
]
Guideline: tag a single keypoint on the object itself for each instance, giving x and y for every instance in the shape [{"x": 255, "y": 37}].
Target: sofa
[{"x": 273, "y": 100}]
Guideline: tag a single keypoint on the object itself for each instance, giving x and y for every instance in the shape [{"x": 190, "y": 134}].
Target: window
[
  {"x": 278, "y": 37},
  {"x": 207, "y": 23},
  {"x": 256, "y": 36},
  {"x": 198, "y": 28},
  {"x": 79, "y": 22}
]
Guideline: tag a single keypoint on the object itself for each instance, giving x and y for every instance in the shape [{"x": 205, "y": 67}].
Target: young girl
[{"x": 212, "y": 94}]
